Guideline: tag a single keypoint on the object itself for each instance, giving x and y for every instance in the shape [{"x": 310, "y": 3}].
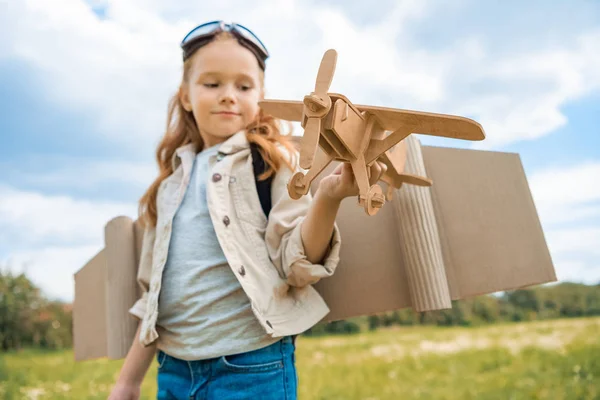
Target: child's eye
[
  {"x": 245, "y": 88},
  {"x": 211, "y": 85}
]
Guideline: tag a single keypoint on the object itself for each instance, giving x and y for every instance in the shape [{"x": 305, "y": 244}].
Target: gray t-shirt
[{"x": 203, "y": 310}]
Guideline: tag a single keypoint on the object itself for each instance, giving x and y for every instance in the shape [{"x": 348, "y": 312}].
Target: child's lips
[{"x": 226, "y": 113}]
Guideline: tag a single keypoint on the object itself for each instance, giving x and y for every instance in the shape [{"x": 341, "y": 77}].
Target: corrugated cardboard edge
[{"x": 420, "y": 239}]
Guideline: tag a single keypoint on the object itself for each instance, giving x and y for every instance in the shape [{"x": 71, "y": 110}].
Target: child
[{"x": 226, "y": 288}]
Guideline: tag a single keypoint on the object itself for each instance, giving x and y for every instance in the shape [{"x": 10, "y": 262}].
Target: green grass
[{"x": 555, "y": 360}]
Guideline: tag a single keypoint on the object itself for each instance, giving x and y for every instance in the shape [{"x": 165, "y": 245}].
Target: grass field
[{"x": 557, "y": 359}]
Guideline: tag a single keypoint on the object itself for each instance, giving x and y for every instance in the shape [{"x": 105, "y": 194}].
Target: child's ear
[{"x": 184, "y": 98}]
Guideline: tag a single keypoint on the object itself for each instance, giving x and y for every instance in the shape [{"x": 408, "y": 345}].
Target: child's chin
[{"x": 228, "y": 131}]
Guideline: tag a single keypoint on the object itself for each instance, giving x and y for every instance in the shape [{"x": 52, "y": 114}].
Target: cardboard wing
[
  {"x": 475, "y": 231},
  {"x": 105, "y": 288}
]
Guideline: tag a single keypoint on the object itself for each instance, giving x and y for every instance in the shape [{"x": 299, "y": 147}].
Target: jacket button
[
  {"x": 216, "y": 177},
  {"x": 226, "y": 220},
  {"x": 242, "y": 271}
]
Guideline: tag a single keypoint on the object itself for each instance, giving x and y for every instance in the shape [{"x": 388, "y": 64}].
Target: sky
[{"x": 85, "y": 86}]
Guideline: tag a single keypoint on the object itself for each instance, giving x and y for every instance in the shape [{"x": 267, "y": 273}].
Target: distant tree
[
  {"x": 485, "y": 309},
  {"x": 524, "y": 299},
  {"x": 374, "y": 322},
  {"x": 29, "y": 319},
  {"x": 407, "y": 317},
  {"x": 19, "y": 302}
]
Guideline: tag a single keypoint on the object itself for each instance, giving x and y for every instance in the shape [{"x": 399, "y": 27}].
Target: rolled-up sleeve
[
  {"x": 284, "y": 236},
  {"x": 144, "y": 271}
]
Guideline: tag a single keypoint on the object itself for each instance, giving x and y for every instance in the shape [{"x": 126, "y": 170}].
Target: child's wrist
[
  {"x": 129, "y": 382},
  {"x": 327, "y": 196}
]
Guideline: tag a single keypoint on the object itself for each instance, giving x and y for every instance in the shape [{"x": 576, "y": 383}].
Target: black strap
[{"x": 262, "y": 187}]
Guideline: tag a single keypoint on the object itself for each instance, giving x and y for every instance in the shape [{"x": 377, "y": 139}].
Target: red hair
[{"x": 181, "y": 129}]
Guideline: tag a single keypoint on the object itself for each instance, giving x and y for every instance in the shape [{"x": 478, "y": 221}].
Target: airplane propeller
[{"x": 316, "y": 106}]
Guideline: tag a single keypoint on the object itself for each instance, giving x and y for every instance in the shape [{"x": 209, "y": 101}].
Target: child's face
[{"x": 223, "y": 90}]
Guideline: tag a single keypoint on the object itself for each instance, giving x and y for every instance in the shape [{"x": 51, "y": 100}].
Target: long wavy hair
[{"x": 266, "y": 131}]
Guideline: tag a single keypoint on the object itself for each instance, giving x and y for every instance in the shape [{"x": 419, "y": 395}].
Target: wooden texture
[
  {"x": 353, "y": 134},
  {"x": 317, "y": 106}
]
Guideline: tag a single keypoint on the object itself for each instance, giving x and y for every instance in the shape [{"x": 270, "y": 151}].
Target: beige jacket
[{"x": 267, "y": 256}]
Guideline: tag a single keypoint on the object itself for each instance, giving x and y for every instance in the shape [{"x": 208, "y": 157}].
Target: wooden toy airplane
[{"x": 356, "y": 134}]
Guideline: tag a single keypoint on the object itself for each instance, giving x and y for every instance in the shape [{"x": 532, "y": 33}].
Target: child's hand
[
  {"x": 125, "y": 392},
  {"x": 341, "y": 182}
]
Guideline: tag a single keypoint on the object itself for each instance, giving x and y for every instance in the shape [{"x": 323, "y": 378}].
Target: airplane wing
[
  {"x": 288, "y": 110},
  {"x": 443, "y": 125}
]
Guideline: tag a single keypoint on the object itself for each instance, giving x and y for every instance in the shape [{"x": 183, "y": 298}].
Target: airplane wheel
[
  {"x": 296, "y": 186},
  {"x": 375, "y": 200}
]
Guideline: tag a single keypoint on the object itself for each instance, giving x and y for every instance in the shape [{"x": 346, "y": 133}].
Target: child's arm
[
  {"x": 139, "y": 357},
  {"x": 134, "y": 369},
  {"x": 302, "y": 238},
  {"x": 317, "y": 228}
]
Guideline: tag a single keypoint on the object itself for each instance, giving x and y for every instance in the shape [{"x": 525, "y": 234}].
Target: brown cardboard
[
  {"x": 105, "y": 288},
  {"x": 491, "y": 235},
  {"x": 489, "y": 230},
  {"x": 480, "y": 211},
  {"x": 121, "y": 284},
  {"x": 90, "y": 338}
]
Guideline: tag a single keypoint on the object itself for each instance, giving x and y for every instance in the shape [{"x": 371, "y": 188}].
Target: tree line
[
  {"x": 562, "y": 300},
  {"x": 30, "y": 319}
]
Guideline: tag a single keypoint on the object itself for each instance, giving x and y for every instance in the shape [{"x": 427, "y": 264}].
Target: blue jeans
[{"x": 267, "y": 373}]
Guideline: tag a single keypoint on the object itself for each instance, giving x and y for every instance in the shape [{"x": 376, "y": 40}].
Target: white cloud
[
  {"x": 568, "y": 202},
  {"x": 123, "y": 68},
  {"x": 30, "y": 218},
  {"x": 576, "y": 241},
  {"x": 379, "y": 62},
  {"x": 112, "y": 69},
  {"x": 52, "y": 237},
  {"x": 52, "y": 268},
  {"x": 577, "y": 269},
  {"x": 567, "y": 193},
  {"x": 536, "y": 86},
  {"x": 83, "y": 174}
]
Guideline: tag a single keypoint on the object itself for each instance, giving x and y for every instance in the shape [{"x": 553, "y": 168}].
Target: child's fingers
[
  {"x": 377, "y": 170},
  {"x": 348, "y": 173},
  {"x": 338, "y": 169},
  {"x": 383, "y": 169}
]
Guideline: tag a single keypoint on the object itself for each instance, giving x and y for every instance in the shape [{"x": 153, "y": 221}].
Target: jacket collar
[{"x": 232, "y": 145}]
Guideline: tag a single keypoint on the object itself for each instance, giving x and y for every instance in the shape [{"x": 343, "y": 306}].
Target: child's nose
[{"x": 228, "y": 95}]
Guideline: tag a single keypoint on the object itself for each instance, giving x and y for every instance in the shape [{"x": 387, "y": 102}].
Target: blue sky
[{"x": 85, "y": 86}]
